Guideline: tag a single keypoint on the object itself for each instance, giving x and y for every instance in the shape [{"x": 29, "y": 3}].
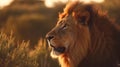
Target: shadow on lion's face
[{"x": 64, "y": 35}]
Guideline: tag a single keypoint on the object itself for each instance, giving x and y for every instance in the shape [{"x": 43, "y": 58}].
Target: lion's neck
[
  {"x": 64, "y": 61},
  {"x": 68, "y": 61},
  {"x": 73, "y": 57}
]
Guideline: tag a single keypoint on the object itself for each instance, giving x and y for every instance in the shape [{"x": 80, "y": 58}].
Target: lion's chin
[{"x": 55, "y": 54}]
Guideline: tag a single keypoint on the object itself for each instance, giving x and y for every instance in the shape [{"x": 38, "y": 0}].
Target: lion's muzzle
[{"x": 59, "y": 49}]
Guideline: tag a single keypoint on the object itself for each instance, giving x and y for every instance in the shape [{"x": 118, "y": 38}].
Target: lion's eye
[{"x": 64, "y": 26}]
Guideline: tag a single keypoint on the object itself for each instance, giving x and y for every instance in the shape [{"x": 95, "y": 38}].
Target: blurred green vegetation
[{"x": 29, "y": 21}]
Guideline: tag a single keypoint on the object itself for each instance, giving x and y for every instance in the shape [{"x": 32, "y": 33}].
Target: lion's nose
[{"x": 49, "y": 37}]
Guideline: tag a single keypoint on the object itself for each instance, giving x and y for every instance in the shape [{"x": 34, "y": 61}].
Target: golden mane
[
  {"x": 85, "y": 37},
  {"x": 101, "y": 27}
]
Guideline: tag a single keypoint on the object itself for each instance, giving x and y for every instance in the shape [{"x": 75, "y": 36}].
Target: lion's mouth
[
  {"x": 58, "y": 49},
  {"x": 55, "y": 49}
]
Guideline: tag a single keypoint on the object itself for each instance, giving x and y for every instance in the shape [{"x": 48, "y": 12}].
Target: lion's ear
[{"x": 82, "y": 17}]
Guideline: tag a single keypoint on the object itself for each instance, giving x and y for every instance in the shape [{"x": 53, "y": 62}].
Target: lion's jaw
[{"x": 57, "y": 50}]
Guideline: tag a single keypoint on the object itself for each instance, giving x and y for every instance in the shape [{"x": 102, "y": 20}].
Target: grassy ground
[{"x": 15, "y": 54}]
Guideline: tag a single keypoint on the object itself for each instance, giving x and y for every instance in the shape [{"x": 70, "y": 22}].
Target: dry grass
[{"x": 13, "y": 54}]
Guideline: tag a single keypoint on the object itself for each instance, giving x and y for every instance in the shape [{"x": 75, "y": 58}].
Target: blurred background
[{"x": 30, "y": 20}]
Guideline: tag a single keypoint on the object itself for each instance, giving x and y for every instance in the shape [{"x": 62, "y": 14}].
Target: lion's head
[
  {"x": 68, "y": 30},
  {"x": 71, "y": 38}
]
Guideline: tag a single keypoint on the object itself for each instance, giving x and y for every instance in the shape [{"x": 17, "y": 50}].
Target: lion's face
[{"x": 63, "y": 37}]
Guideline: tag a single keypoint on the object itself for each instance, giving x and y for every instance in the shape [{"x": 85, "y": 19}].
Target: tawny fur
[{"x": 97, "y": 45}]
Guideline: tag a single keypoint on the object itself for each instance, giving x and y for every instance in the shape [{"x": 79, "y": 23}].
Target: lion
[{"x": 85, "y": 36}]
